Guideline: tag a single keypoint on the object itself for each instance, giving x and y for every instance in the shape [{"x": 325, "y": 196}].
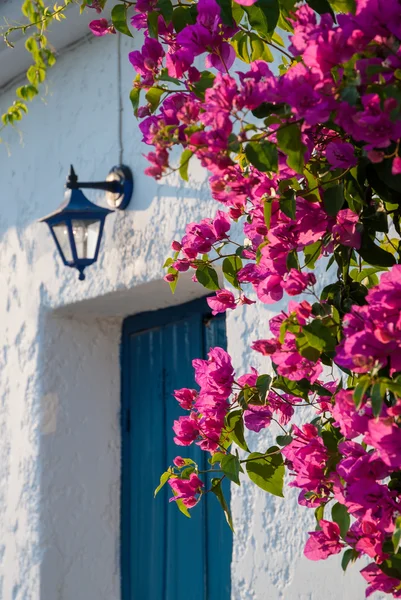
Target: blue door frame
[{"x": 189, "y": 331}]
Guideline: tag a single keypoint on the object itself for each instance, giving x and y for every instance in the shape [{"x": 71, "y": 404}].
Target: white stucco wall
[{"x": 59, "y": 355}]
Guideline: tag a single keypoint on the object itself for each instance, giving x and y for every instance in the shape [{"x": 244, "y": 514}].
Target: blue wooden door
[{"x": 164, "y": 555}]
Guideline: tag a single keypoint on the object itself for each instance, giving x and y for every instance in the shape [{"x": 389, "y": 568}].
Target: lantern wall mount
[{"x": 77, "y": 225}]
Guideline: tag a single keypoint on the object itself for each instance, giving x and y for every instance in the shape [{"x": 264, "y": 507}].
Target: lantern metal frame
[{"x": 76, "y": 207}]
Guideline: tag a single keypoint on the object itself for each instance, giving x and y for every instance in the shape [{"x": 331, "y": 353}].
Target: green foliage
[
  {"x": 340, "y": 516},
  {"x": 217, "y": 490},
  {"x": 38, "y": 17},
  {"x": 184, "y": 163},
  {"x": 333, "y": 199},
  {"x": 153, "y": 96},
  {"x": 267, "y": 471},
  {"x": 262, "y": 155},
  {"x": 231, "y": 467},
  {"x": 320, "y": 6},
  {"x": 119, "y": 19},
  {"x": 289, "y": 141},
  {"x": 207, "y": 276},
  {"x": 235, "y": 429},
  {"x": 375, "y": 255},
  {"x": 164, "y": 477},
  {"x": 231, "y": 265},
  {"x": 263, "y": 16},
  {"x": 349, "y": 556}
]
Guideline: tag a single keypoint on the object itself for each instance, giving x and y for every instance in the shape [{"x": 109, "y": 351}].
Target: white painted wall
[{"x": 59, "y": 363}]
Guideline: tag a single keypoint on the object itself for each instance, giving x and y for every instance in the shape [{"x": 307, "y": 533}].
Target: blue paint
[{"x": 164, "y": 555}]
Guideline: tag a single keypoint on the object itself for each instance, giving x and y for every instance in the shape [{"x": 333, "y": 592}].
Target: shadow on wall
[{"x": 80, "y": 458}]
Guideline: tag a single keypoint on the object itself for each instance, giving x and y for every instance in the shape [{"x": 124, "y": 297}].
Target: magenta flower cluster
[{"x": 306, "y": 158}]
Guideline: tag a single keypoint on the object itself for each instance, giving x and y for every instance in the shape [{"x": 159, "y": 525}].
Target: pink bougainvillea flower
[
  {"x": 396, "y": 166},
  {"x": 324, "y": 543},
  {"x": 341, "y": 155},
  {"x": 223, "y": 300},
  {"x": 179, "y": 462},
  {"x": 257, "y": 417},
  {"x": 351, "y": 422},
  {"x": 386, "y": 438},
  {"x": 148, "y": 60},
  {"x": 270, "y": 290},
  {"x": 376, "y": 156},
  {"x": 186, "y": 430},
  {"x": 265, "y": 347},
  {"x": 186, "y": 489},
  {"x": 101, "y": 27},
  {"x": 379, "y": 582},
  {"x": 185, "y": 397},
  {"x": 345, "y": 230},
  {"x": 297, "y": 282}
]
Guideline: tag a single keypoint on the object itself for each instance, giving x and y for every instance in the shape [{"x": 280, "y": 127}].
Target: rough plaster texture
[{"x": 59, "y": 356}]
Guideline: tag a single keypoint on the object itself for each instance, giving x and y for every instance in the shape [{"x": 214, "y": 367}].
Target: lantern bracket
[{"x": 118, "y": 186}]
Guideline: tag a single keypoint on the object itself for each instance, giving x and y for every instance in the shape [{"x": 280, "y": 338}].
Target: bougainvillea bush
[{"x": 305, "y": 155}]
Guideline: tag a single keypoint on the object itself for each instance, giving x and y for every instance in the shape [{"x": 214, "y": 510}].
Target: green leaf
[
  {"x": 238, "y": 12},
  {"x": 36, "y": 74},
  {"x": 319, "y": 514},
  {"x": 205, "y": 82},
  {"x": 374, "y": 255},
  {"x": 181, "y": 506},
  {"x": 262, "y": 155},
  {"x": 164, "y": 76},
  {"x": 207, "y": 276},
  {"x": 340, "y": 516},
  {"x": 267, "y": 212},
  {"x": 166, "y": 9},
  {"x": 226, "y": 12},
  {"x": 182, "y": 16},
  {"x": 184, "y": 163},
  {"x": 349, "y": 555},
  {"x": 289, "y": 141},
  {"x": 240, "y": 44},
  {"x": 134, "y": 97},
  {"x": 344, "y": 6},
  {"x": 396, "y": 537},
  {"x": 163, "y": 480},
  {"x": 267, "y": 471},
  {"x": 119, "y": 19},
  {"x": 312, "y": 253},
  {"x": 333, "y": 199},
  {"x": 263, "y": 384},
  {"x": 153, "y": 24},
  {"x": 320, "y": 336},
  {"x": 231, "y": 265},
  {"x": 263, "y": 16},
  {"x": 153, "y": 96},
  {"x": 377, "y": 396},
  {"x": 235, "y": 425},
  {"x": 360, "y": 390},
  {"x": 217, "y": 490},
  {"x": 231, "y": 467},
  {"x": 320, "y": 6},
  {"x": 216, "y": 457},
  {"x": 287, "y": 203},
  {"x": 296, "y": 388},
  {"x": 284, "y": 440},
  {"x": 27, "y": 92},
  {"x": 259, "y": 49}
]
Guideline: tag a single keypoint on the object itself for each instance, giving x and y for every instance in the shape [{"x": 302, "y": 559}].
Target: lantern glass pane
[
  {"x": 61, "y": 232},
  {"x": 86, "y": 235}
]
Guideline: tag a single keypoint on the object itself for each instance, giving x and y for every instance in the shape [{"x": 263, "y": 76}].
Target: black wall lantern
[{"x": 77, "y": 226}]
